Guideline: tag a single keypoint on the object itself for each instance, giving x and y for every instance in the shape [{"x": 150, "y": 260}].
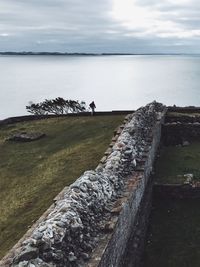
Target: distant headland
[
  {"x": 30, "y": 53},
  {"x": 59, "y": 53}
]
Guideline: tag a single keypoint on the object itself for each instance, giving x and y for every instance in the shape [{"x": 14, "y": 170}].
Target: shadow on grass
[{"x": 173, "y": 238}]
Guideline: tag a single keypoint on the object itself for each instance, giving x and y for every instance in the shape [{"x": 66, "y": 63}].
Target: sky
[{"x": 100, "y": 26}]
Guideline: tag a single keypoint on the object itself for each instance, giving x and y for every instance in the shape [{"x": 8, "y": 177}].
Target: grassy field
[
  {"x": 174, "y": 234},
  {"x": 175, "y": 161},
  {"x": 32, "y": 174}
]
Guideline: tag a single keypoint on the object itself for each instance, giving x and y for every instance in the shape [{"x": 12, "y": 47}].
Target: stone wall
[
  {"x": 190, "y": 109},
  {"x": 183, "y": 118},
  {"x": 131, "y": 223},
  {"x": 135, "y": 245},
  {"x": 92, "y": 222},
  {"x": 177, "y": 133},
  {"x": 181, "y": 124}
]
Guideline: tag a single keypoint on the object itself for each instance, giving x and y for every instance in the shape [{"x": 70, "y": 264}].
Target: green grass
[
  {"x": 175, "y": 161},
  {"x": 32, "y": 174},
  {"x": 173, "y": 239}
]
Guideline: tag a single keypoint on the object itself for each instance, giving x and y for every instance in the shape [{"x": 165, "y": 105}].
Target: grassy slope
[
  {"x": 175, "y": 161},
  {"x": 174, "y": 234},
  {"x": 32, "y": 174}
]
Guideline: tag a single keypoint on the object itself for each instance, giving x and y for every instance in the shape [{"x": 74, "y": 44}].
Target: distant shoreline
[{"x": 29, "y": 53}]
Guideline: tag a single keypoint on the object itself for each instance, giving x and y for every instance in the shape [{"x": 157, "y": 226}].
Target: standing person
[{"x": 92, "y": 106}]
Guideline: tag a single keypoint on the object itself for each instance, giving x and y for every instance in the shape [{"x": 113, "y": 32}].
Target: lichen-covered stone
[{"x": 28, "y": 253}]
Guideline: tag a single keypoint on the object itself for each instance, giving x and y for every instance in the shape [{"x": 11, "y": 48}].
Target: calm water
[{"x": 113, "y": 82}]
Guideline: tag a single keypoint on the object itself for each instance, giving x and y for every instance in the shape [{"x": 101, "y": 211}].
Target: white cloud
[
  {"x": 166, "y": 19},
  {"x": 4, "y": 34}
]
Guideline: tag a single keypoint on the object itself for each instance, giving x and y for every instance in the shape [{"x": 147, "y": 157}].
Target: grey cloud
[
  {"x": 52, "y": 14},
  {"x": 86, "y": 26}
]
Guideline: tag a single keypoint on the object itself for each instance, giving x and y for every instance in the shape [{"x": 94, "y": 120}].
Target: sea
[{"x": 113, "y": 82}]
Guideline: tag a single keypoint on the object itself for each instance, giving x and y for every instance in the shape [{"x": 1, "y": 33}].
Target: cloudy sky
[{"x": 125, "y": 26}]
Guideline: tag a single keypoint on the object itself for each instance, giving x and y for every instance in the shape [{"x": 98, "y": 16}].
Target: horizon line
[{"x": 87, "y": 53}]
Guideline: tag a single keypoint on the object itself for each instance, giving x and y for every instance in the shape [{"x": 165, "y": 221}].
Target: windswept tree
[
  {"x": 75, "y": 106},
  {"x": 56, "y": 106},
  {"x": 52, "y": 106},
  {"x": 36, "y": 109}
]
